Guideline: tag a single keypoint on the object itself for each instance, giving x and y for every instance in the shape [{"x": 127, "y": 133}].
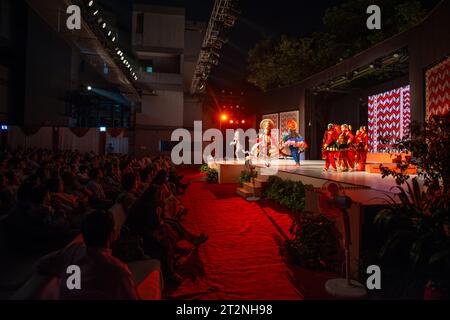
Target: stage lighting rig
[
  {"x": 223, "y": 17},
  {"x": 107, "y": 36}
]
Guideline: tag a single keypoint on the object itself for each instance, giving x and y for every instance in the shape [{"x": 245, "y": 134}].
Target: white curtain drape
[
  {"x": 119, "y": 143},
  {"x": 69, "y": 141}
]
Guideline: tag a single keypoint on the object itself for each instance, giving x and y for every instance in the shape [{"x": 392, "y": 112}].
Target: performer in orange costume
[
  {"x": 329, "y": 148},
  {"x": 345, "y": 139},
  {"x": 362, "y": 145}
]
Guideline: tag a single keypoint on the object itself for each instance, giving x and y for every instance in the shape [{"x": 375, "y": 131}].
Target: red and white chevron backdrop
[
  {"x": 438, "y": 89},
  {"x": 389, "y": 118}
]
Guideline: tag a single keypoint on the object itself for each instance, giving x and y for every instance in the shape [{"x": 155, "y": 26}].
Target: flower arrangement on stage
[{"x": 415, "y": 251}]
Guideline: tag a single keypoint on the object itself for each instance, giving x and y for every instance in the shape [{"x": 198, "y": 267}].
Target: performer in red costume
[
  {"x": 362, "y": 145},
  {"x": 345, "y": 139},
  {"x": 329, "y": 148},
  {"x": 337, "y": 132},
  {"x": 351, "y": 153}
]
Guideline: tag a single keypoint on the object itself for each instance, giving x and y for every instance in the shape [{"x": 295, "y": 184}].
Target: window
[{"x": 140, "y": 23}]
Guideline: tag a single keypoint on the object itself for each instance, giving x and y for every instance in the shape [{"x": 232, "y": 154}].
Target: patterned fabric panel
[
  {"x": 389, "y": 118},
  {"x": 438, "y": 89},
  {"x": 284, "y": 118},
  {"x": 274, "y": 117}
]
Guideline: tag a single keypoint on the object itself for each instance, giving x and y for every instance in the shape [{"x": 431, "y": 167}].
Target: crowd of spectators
[{"x": 125, "y": 208}]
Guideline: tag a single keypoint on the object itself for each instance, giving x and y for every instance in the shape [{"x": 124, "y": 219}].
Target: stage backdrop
[
  {"x": 389, "y": 118},
  {"x": 274, "y": 117},
  {"x": 284, "y": 118},
  {"x": 438, "y": 89}
]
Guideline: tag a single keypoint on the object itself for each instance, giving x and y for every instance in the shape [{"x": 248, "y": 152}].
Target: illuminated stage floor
[{"x": 368, "y": 186}]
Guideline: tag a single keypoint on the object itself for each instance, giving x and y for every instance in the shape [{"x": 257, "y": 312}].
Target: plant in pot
[
  {"x": 315, "y": 243},
  {"x": 416, "y": 251},
  {"x": 246, "y": 176},
  {"x": 212, "y": 176}
]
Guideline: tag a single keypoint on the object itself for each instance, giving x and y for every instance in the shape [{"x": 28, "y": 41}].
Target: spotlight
[
  {"x": 89, "y": 88},
  {"x": 102, "y": 129},
  {"x": 4, "y": 127},
  {"x": 104, "y": 25},
  {"x": 231, "y": 121},
  {"x": 113, "y": 39},
  {"x": 396, "y": 55},
  {"x": 121, "y": 58},
  {"x": 223, "y": 117},
  {"x": 372, "y": 66},
  {"x": 109, "y": 33},
  {"x": 243, "y": 121},
  {"x": 95, "y": 12},
  {"x": 91, "y": 3}
]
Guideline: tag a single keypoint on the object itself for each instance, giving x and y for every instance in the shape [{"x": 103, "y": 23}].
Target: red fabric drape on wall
[
  {"x": 29, "y": 131},
  {"x": 79, "y": 132},
  {"x": 115, "y": 132}
]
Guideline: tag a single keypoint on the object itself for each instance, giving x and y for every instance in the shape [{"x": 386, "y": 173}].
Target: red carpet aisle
[{"x": 241, "y": 259}]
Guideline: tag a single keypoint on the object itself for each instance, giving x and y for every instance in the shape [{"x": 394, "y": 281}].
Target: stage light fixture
[
  {"x": 95, "y": 12},
  {"x": 89, "y": 88},
  {"x": 102, "y": 129},
  {"x": 91, "y": 3},
  {"x": 113, "y": 39},
  {"x": 224, "y": 117},
  {"x": 243, "y": 121},
  {"x": 104, "y": 25},
  {"x": 231, "y": 121},
  {"x": 109, "y": 33},
  {"x": 4, "y": 127},
  {"x": 396, "y": 55}
]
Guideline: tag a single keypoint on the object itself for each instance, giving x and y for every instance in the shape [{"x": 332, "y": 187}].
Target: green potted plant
[{"x": 416, "y": 249}]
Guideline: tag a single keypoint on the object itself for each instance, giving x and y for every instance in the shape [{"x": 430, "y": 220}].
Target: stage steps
[{"x": 249, "y": 189}]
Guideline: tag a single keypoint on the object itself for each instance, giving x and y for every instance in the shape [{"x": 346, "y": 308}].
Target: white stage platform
[{"x": 309, "y": 172}]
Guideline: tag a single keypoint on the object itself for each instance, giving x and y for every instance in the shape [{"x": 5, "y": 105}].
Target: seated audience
[{"x": 102, "y": 275}]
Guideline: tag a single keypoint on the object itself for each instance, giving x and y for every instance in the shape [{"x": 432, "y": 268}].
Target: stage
[
  {"x": 369, "y": 192},
  {"x": 311, "y": 172}
]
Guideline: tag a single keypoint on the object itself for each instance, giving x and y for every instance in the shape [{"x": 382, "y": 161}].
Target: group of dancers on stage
[
  {"x": 341, "y": 149},
  {"x": 349, "y": 150},
  {"x": 267, "y": 147}
]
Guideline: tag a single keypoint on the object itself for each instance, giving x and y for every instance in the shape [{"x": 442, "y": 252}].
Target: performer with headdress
[
  {"x": 329, "y": 147},
  {"x": 362, "y": 145},
  {"x": 266, "y": 146},
  {"x": 293, "y": 143}
]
